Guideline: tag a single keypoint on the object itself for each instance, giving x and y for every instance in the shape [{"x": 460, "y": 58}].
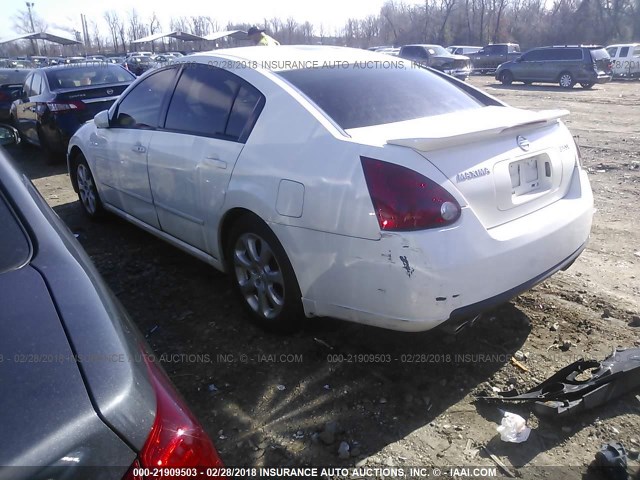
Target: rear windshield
[
  {"x": 355, "y": 96},
  {"x": 95, "y": 74},
  {"x": 599, "y": 54}
]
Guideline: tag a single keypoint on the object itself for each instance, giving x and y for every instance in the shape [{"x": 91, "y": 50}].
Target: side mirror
[
  {"x": 101, "y": 119},
  {"x": 8, "y": 135}
]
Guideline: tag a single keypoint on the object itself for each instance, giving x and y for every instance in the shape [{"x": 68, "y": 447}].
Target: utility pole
[
  {"x": 85, "y": 32},
  {"x": 36, "y": 49}
]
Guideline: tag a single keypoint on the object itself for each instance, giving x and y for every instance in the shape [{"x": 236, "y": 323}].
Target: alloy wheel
[
  {"x": 87, "y": 189},
  {"x": 259, "y": 275}
]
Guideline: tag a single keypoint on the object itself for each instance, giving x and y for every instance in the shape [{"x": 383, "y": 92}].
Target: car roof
[
  {"x": 297, "y": 56},
  {"x": 624, "y": 45}
]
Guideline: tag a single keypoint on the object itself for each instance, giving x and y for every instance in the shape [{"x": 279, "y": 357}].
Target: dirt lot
[{"x": 271, "y": 400}]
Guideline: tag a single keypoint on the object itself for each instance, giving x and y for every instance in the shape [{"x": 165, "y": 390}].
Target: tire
[
  {"x": 506, "y": 77},
  {"x": 586, "y": 85},
  {"x": 566, "y": 80},
  {"x": 87, "y": 191},
  {"x": 262, "y": 276}
]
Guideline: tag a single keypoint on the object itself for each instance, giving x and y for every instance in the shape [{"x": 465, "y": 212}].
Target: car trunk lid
[
  {"x": 93, "y": 99},
  {"x": 601, "y": 61},
  {"x": 504, "y": 161}
]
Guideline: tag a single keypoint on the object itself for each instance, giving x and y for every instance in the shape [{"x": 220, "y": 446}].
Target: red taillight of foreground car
[
  {"x": 406, "y": 200},
  {"x": 70, "y": 106},
  {"x": 177, "y": 440}
]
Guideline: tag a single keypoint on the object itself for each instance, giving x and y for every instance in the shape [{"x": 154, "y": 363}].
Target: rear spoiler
[{"x": 492, "y": 124}]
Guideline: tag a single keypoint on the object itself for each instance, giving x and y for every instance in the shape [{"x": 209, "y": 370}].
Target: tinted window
[
  {"x": 534, "y": 56},
  {"x": 568, "y": 54},
  {"x": 13, "y": 77},
  {"x": 414, "y": 52},
  {"x": 97, "y": 73},
  {"x": 356, "y": 97},
  {"x": 202, "y": 101},
  {"x": 492, "y": 49},
  {"x": 141, "y": 107},
  {"x": 244, "y": 112},
  {"x": 624, "y": 51},
  {"x": 612, "y": 51}
]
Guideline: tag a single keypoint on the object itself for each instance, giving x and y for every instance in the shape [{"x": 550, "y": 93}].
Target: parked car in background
[
  {"x": 11, "y": 81},
  {"x": 15, "y": 63},
  {"x": 393, "y": 51},
  {"x": 109, "y": 406},
  {"x": 398, "y": 197},
  {"x": 39, "y": 61},
  {"x": 55, "y": 101},
  {"x": 139, "y": 64},
  {"x": 487, "y": 59},
  {"x": 463, "y": 49},
  {"x": 72, "y": 60},
  {"x": 379, "y": 47},
  {"x": 435, "y": 56},
  {"x": 565, "y": 65},
  {"x": 626, "y": 60}
]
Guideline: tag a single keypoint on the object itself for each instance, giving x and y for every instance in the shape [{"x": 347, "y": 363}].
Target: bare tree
[
  {"x": 97, "y": 38},
  {"x": 111, "y": 18}
]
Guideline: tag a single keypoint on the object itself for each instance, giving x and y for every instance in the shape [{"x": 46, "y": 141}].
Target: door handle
[
  {"x": 215, "y": 162},
  {"x": 138, "y": 148}
]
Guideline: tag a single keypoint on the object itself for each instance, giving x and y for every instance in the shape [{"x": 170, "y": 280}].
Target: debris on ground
[
  {"x": 343, "y": 450},
  {"x": 513, "y": 428},
  {"x": 562, "y": 394},
  {"x": 499, "y": 463},
  {"x": 611, "y": 461}
]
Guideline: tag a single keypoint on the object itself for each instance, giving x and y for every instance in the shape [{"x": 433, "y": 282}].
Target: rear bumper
[
  {"x": 414, "y": 281},
  {"x": 600, "y": 78}
]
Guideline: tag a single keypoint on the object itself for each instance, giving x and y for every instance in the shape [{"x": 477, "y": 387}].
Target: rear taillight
[
  {"x": 4, "y": 97},
  {"x": 70, "y": 106},
  {"x": 177, "y": 440},
  {"x": 406, "y": 200}
]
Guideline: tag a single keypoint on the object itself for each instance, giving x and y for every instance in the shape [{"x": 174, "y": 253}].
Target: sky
[{"x": 66, "y": 13}]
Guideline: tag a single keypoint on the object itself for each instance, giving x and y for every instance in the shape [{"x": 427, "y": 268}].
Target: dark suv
[{"x": 566, "y": 65}]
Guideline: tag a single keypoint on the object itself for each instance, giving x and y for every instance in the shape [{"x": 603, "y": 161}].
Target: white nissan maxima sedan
[{"x": 337, "y": 182}]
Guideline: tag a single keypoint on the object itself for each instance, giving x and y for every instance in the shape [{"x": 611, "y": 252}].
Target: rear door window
[
  {"x": 357, "y": 97},
  {"x": 202, "y": 101},
  {"x": 624, "y": 52},
  {"x": 612, "y": 51}
]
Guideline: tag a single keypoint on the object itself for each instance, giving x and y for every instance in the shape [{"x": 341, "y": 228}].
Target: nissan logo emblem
[
  {"x": 110, "y": 92},
  {"x": 523, "y": 143}
]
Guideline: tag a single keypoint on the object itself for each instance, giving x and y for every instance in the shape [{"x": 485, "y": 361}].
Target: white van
[{"x": 626, "y": 60}]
